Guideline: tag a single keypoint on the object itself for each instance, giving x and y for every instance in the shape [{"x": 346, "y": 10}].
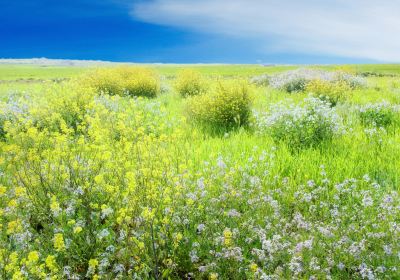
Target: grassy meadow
[{"x": 200, "y": 172}]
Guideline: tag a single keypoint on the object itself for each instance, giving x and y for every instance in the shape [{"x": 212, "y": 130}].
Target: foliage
[
  {"x": 330, "y": 92},
  {"x": 381, "y": 114},
  {"x": 300, "y": 126},
  {"x": 261, "y": 80},
  {"x": 190, "y": 83},
  {"x": 297, "y": 80},
  {"x": 131, "y": 81},
  {"x": 226, "y": 107}
]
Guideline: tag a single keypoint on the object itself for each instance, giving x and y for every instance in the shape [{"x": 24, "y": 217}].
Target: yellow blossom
[
  {"x": 77, "y": 229},
  {"x": 20, "y": 191},
  {"x": 14, "y": 227},
  {"x": 93, "y": 263},
  {"x": 59, "y": 244},
  {"x": 54, "y": 205},
  {"x": 33, "y": 257},
  {"x": 253, "y": 267},
  {"x": 227, "y": 237},
  {"x": 51, "y": 263},
  {"x": 2, "y": 190},
  {"x": 213, "y": 276}
]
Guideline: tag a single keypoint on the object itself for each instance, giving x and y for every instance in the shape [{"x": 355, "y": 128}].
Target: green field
[{"x": 294, "y": 178}]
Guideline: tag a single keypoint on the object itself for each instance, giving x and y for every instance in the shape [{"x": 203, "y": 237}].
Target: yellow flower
[
  {"x": 77, "y": 229},
  {"x": 148, "y": 213},
  {"x": 14, "y": 227},
  {"x": 2, "y": 190},
  {"x": 227, "y": 237},
  {"x": 59, "y": 244},
  {"x": 18, "y": 276},
  {"x": 33, "y": 257},
  {"x": 20, "y": 191},
  {"x": 51, "y": 263},
  {"x": 178, "y": 237},
  {"x": 253, "y": 267},
  {"x": 12, "y": 203},
  {"x": 213, "y": 276},
  {"x": 93, "y": 263},
  {"x": 54, "y": 205},
  {"x": 12, "y": 262}
]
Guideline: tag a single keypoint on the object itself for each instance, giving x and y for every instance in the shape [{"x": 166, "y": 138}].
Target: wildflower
[
  {"x": 193, "y": 256},
  {"x": 55, "y": 206},
  {"x": 106, "y": 211},
  {"x": 33, "y": 258},
  {"x": 227, "y": 237},
  {"x": 200, "y": 228},
  {"x": 103, "y": 233},
  {"x": 14, "y": 227},
  {"x": 253, "y": 267},
  {"x": 148, "y": 213},
  {"x": 233, "y": 213},
  {"x": 2, "y": 190},
  {"x": 367, "y": 201},
  {"x": 51, "y": 263},
  {"x": 77, "y": 229},
  {"x": 59, "y": 244},
  {"x": 19, "y": 191},
  {"x": 93, "y": 263},
  {"x": 18, "y": 276},
  {"x": 220, "y": 163},
  {"x": 213, "y": 276}
]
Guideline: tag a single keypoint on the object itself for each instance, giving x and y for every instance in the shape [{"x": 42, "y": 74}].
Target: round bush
[
  {"x": 131, "y": 81},
  {"x": 226, "y": 107},
  {"x": 331, "y": 92},
  {"x": 378, "y": 114},
  {"x": 300, "y": 126},
  {"x": 189, "y": 83},
  {"x": 261, "y": 80}
]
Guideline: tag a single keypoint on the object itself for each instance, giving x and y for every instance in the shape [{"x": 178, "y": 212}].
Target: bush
[
  {"x": 125, "y": 80},
  {"x": 297, "y": 80},
  {"x": 300, "y": 126},
  {"x": 330, "y": 92},
  {"x": 261, "y": 80},
  {"x": 227, "y": 107},
  {"x": 378, "y": 114},
  {"x": 9, "y": 112},
  {"x": 189, "y": 83}
]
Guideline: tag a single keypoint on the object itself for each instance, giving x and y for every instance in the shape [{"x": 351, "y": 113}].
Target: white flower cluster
[
  {"x": 296, "y": 80},
  {"x": 300, "y": 125}
]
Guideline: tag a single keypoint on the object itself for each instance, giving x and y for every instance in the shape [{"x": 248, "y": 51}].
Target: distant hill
[{"x": 56, "y": 62}]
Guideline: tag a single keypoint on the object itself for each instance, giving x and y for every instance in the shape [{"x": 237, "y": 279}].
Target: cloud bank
[{"x": 363, "y": 29}]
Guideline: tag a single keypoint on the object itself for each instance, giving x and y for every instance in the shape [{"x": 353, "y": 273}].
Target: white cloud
[{"x": 348, "y": 28}]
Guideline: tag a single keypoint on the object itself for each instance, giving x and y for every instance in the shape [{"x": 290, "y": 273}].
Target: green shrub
[
  {"x": 10, "y": 112},
  {"x": 332, "y": 92},
  {"x": 297, "y": 80},
  {"x": 379, "y": 114},
  {"x": 189, "y": 83},
  {"x": 125, "y": 80},
  {"x": 226, "y": 107},
  {"x": 261, "y": 80},
  {"x": 300, "y": 126}
]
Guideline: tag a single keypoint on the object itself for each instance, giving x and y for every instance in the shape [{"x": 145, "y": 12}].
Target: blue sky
[{"x": 184, "y": 31}]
